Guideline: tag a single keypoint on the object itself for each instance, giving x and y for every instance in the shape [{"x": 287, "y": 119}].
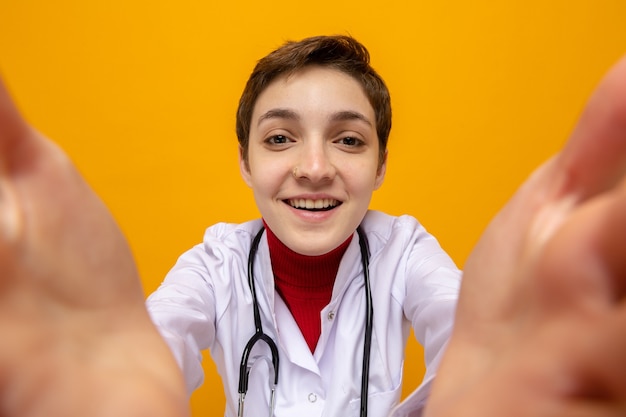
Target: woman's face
[{"x": 313, "y": 158}]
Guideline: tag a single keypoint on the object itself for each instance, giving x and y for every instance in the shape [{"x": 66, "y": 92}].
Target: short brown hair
[{"x": 339, "y": 52}]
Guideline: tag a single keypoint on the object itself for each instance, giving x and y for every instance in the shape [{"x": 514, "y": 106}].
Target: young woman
[{"x": 335, "y": 287}]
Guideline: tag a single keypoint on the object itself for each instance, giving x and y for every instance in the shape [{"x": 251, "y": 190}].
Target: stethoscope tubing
[
  {"x": 244, "y": 370},
  {"x": 369, "y": 319}
]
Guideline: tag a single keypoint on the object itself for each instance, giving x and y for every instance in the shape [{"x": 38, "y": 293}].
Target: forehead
[{"x": 314, "y": 90}]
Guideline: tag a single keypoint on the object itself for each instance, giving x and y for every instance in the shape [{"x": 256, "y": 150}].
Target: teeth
[{"x": 312, "y": 204}]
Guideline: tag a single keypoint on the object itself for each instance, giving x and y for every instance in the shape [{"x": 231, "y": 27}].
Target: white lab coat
[{"x": 205, "y": 302}]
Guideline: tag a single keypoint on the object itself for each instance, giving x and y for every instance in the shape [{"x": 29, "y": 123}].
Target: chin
[
  {"x": 315, "y": 247},
  {"x": 313, "y": 251}
]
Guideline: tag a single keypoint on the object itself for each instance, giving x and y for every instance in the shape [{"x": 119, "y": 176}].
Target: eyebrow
[
  {"x": 278, "y": 114},
  {"x": 292, "y": 115},
  {"x": 349, "y": 115}
]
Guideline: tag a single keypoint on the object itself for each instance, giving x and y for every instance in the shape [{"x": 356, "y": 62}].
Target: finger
[
  {"x": 605, "y": 367},
  {"x": 594, "y": 160},
  {"x": 597, "y": 365},
  {"x": 595, "y": 237},
  {"x": 12, "y": 127},
  {"x": 612, "y": 242}
]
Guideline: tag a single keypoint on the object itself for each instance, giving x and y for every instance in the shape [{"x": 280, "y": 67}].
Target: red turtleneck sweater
[{"x": 305, "y": 283}]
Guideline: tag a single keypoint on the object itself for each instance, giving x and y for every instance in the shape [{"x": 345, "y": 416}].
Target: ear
[
  {"x": 244, "y": 168},
  {"x": 380, "y": 174}
]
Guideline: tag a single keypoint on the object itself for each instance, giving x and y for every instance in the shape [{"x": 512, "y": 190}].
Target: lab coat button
[
  {"x": 331, "y": 315},
  {"x": 312, "y": 397}
]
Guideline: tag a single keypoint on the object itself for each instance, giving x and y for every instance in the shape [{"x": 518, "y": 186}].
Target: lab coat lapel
[
  {"x": 291, "y": 340},
  {"x": 349, "y": 268},
  {"x": 291, "y": 343}
]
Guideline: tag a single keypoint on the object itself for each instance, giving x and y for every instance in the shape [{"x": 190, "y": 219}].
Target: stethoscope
[{"x": 244, "y": 369}]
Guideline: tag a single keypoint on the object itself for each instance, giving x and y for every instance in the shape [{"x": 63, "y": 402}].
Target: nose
[{"x": 314, "y": 162}]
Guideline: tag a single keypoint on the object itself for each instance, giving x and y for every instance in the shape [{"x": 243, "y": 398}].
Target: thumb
[
  {"x": 14, "y": 131},
  {"x": 594, "y": 160}
]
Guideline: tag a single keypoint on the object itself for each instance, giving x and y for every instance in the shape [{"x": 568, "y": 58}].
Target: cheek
[
  {"x": 266, "y": 176},
  {"x": 364, "y": 179}
]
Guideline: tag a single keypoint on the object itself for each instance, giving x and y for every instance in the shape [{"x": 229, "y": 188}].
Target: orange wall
[{"x": 142, "y": 95}]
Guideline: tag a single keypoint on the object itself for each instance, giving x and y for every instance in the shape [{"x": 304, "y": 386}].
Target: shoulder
[
  {"x": 224, "y": 245},
  {"x": 383, "y": 228},
  {"x": 403, "y": 238},
  {"x": 231, "y": 235}
]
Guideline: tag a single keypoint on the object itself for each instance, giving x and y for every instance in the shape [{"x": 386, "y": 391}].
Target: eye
[
  {"x": 277, "y": 139},
  {"x": 350, "y": 141}
]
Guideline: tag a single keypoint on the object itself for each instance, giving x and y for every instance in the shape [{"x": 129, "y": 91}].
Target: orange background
[{"x": 142, "y": 95}]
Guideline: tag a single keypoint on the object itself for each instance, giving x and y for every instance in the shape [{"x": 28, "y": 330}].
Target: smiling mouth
[{"x": 324, "y": 204}]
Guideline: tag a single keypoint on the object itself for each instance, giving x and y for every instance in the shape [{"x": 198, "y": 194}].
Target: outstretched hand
[
  {"x": 541, "y": 322},
  {"x": 75, "y": 336}
]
